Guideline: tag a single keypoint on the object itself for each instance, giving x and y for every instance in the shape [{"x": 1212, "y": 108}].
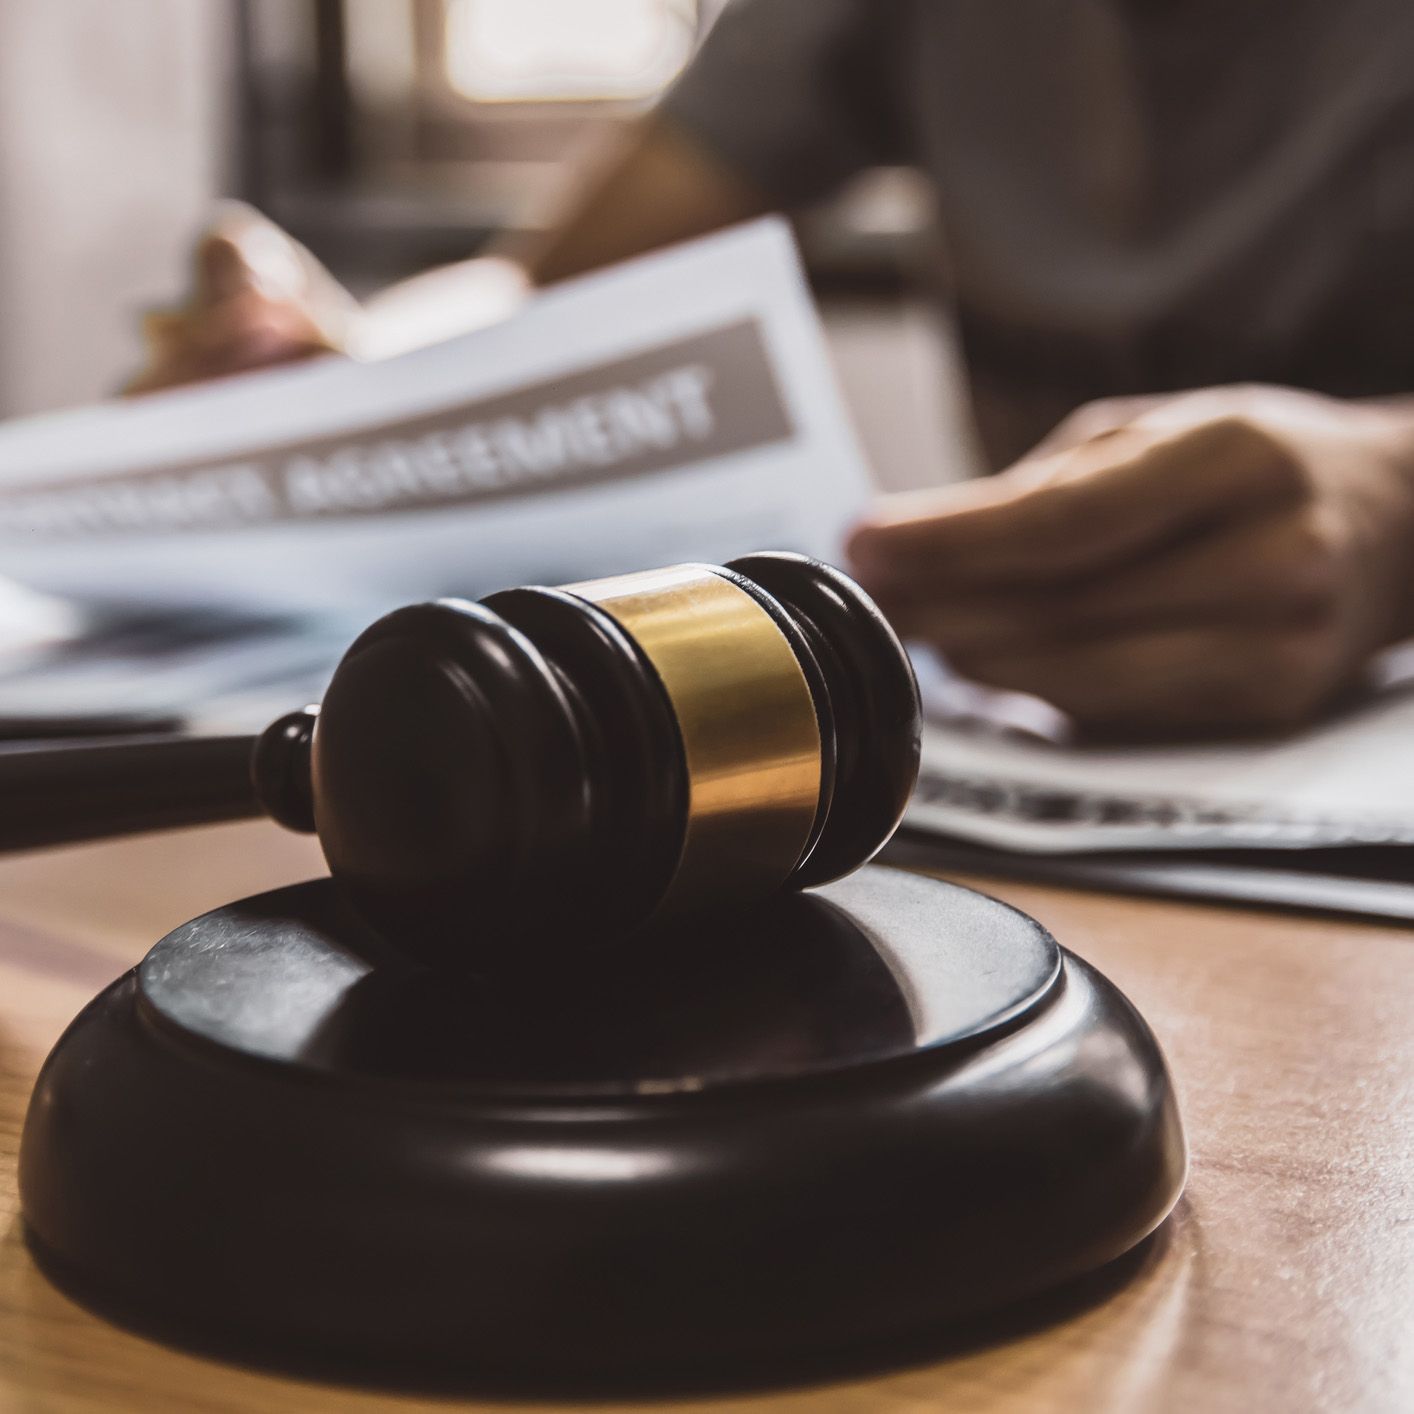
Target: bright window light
[{"x": 507, "y": 51}]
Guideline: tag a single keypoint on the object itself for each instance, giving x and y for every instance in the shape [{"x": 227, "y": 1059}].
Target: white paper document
[
  {"x": 679, "y": 407},
  {"x": 1346, "y": 782}
]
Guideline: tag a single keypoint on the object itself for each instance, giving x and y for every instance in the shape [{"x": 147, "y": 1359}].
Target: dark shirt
[{"x": 1136, "y": 196}]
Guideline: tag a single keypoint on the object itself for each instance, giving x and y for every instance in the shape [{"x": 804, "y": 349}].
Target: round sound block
[{"x": 848, "y": 1117}]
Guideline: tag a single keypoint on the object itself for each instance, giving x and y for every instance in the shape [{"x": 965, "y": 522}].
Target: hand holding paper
[{"x": 258, "y": 299}]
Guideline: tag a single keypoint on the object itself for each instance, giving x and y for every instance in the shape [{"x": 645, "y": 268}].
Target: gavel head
[{"x": 552, "y": 769}]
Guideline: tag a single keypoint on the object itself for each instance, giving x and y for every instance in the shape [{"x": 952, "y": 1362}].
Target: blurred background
[{"x": 389, "y": 136}]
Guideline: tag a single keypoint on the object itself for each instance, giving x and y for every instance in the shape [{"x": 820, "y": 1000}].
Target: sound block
[{"x": 851, "y": 1116}]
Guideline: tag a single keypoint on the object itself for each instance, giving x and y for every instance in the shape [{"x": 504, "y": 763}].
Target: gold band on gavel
[{"x": 747, "y": 721}]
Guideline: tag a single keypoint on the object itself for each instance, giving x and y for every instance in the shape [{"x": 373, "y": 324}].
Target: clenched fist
[{"x": 1225, "y": 560}]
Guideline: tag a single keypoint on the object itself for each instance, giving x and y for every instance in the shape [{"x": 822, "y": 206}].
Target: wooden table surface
[{"x": 1286, "y": 1282}]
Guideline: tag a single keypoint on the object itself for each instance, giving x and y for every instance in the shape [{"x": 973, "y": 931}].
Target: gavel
[{"x": 549, "y": 770}]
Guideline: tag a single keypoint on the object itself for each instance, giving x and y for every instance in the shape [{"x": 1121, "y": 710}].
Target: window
[{"x": 538, "y": 51}]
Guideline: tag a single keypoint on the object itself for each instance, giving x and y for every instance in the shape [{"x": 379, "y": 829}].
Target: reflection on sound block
[
  {"x": 792, "y": 987},
  {"x": 801, "y": 984},
  {"x": 825, "y": 1122}
]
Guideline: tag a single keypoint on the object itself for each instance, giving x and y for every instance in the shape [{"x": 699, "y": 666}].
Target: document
[
  {"x": 228, "y": 540},
  {"x": 1348, "y": 781}
]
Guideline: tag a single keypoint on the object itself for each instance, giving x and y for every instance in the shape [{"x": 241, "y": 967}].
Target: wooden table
[{"x": 1286, "y": 1282}]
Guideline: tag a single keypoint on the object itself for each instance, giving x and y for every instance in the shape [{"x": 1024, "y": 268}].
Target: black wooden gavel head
[{"x": 558, "y": 767}]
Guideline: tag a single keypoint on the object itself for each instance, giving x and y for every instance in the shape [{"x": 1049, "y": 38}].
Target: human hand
[
  {"x": 258, "y": 299},
  {"x": 1225, "y": 560}
]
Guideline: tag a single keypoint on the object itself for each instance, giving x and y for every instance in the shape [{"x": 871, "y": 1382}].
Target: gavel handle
[{"x": 61, "y": 792}]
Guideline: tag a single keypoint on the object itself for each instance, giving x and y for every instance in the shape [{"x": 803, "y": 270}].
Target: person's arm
[
  {"x": 1227, "y": 560},
  {"x": 651, "y": 186},
  {"x": 259, "y": 298},
  {"x": 655, "y": 186},
  {"x": 783, "y": 102}
]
